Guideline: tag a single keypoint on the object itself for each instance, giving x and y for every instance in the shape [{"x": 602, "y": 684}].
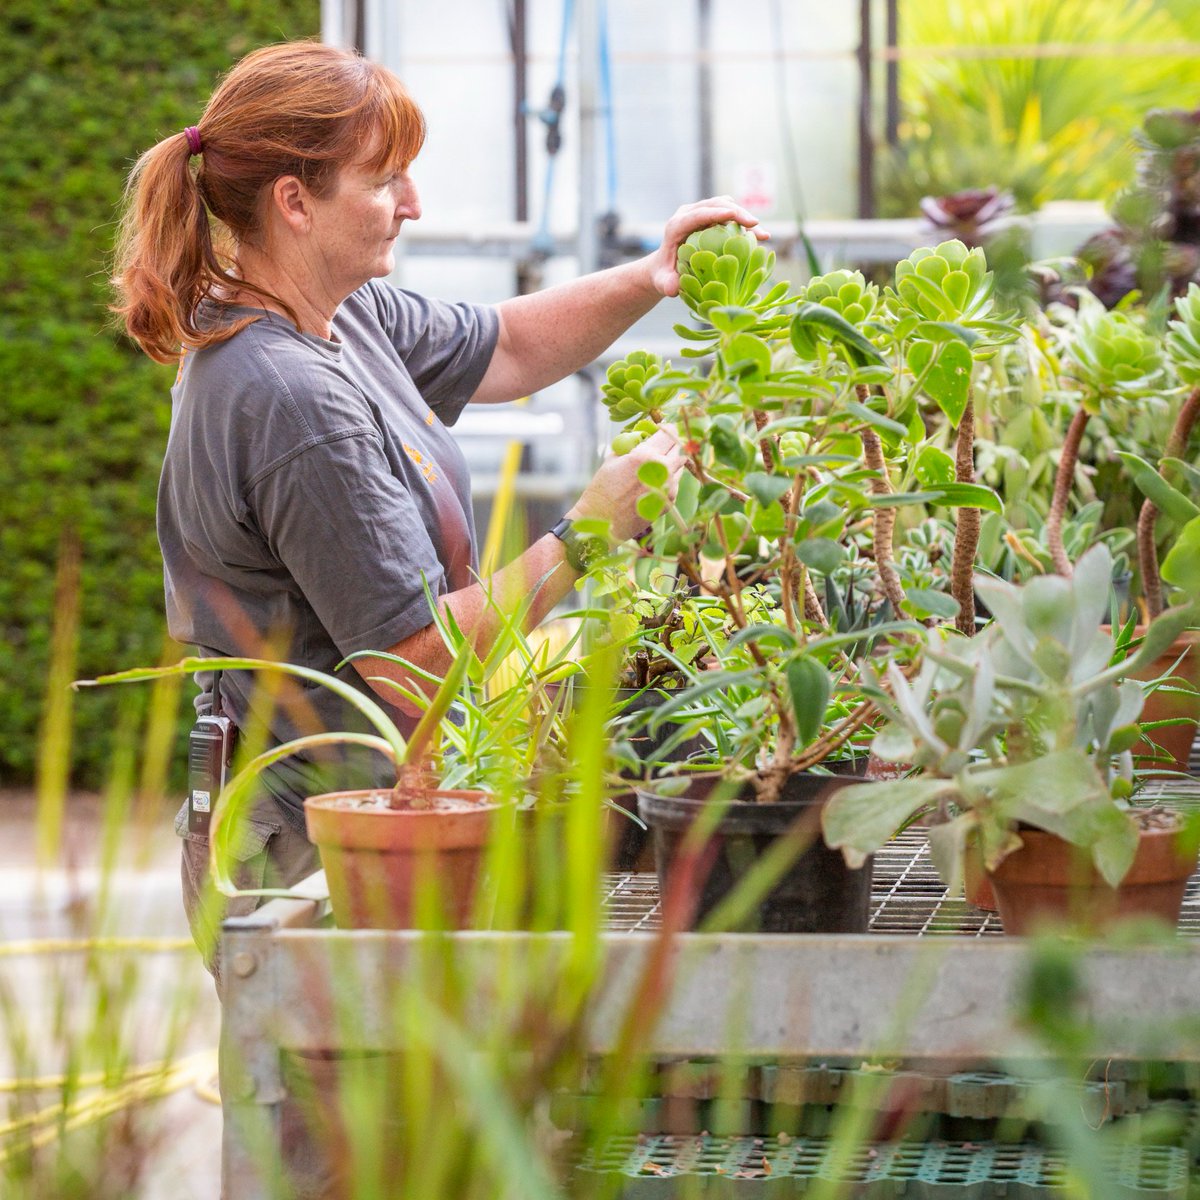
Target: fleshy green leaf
[
  {"x": 653, "y": 474},
  {"x": 859, "y": 819},
  {"x": 766, "y": 488},
  {"x": 809, "y": 685},
  {"x": 1181, "y": 567},
  {"x": 1157, "y": 490},
  {"x": 878, "y": 420},
  {"x": 821, "y": 554},
  {"x": 936, "y": 604},
  {"x": 816, "y": 319},
  {"x": 946, "y": 374},
  {"x": 968, "y": 495},
  {"x": 934, "y": 467}
]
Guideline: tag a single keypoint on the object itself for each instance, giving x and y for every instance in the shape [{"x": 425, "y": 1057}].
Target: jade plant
[
  {"x": 1032, "y": 722},
  {"x": 797, "y": 414}
]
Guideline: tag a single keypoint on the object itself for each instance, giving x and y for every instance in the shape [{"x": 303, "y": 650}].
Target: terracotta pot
[
  {"x": 377, "y": 859},
  {"x": 1176, "y": 740},
  {"x": 1050, "y": 879},
  {"x": 977, "y": 885},
  {"x": 877, "y": 768}
]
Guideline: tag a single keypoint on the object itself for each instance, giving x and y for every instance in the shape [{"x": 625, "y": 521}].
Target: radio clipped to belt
[{"x": 210, "y": 755}]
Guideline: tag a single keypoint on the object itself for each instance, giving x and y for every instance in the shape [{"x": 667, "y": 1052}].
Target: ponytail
[
  {"x": 166, "y": 263},
  {"x": 298, "y": 108}
]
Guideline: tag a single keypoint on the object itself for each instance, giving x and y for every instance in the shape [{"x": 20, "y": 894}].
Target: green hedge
[{"x": 85, "y": 86}]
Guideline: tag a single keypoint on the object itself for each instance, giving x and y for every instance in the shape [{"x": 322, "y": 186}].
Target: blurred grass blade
[{"x": 53, "y": 767}]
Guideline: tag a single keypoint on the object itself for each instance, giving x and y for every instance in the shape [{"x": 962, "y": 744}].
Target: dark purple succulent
[
  {"x": 968, "y": 215},
  {"x": 1155, "y": 243}
]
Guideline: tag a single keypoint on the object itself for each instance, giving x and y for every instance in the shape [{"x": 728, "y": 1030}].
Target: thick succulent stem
[
  {"x": 776, "y": 773},
  {"x": 813, "y": 609},
  {"x": 1148, "y": 517},
  {"x": 764, "y": 446},
  {"x": 1063, "y": 479},
  {"x": 966, "y": 528},
  {"x": 884, "y": 525}
]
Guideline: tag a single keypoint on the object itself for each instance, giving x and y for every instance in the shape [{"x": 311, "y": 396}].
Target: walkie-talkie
[{"x": 210, "y": 752}]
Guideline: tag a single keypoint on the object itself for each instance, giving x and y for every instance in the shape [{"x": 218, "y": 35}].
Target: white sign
[{"x": 754, "y": 186}]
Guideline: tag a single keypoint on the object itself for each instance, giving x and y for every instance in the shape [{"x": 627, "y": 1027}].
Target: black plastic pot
[
  {"x": 632, "y": 840},
  {"x": 817, "y": 894}
]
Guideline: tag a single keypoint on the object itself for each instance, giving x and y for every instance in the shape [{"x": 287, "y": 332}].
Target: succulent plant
[
  {"x": 943, "y": 300},
  {"x": 846, "y": 293},
  {"x": 1111, "y": 355},
  {"x": 1030, "y": 722},
  {"x": 626, "y": 393},
  {"x": 969, "y": 214},
  {"x": 1183, "y": 337},
  {"x": 946, "y": 283},
  {"x": 1183, "y": 346},
  {"x": 1154, "y": 244},
  {"x": 720, "y": 266}
]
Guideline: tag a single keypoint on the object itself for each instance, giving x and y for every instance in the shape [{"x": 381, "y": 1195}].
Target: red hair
[{"x": 298, "y": 108}]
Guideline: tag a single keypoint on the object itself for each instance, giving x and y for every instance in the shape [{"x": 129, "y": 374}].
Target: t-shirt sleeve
[
  {"x": 350, "y": 535},
  {"x": 445, "y": 347}
]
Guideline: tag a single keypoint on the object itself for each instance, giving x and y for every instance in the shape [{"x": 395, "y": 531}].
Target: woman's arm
[
  {"x": 548, "y": 335},
  {"x": 612, "y": 496}
]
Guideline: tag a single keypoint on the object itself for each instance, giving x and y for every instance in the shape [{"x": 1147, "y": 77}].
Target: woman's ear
[{"x": 292, "y": 202}]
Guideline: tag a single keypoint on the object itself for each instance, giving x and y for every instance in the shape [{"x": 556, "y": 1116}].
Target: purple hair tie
[{"x": 193, "y": 139}]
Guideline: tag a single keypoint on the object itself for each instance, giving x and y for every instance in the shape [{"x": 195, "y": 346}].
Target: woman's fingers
[{"x": 685, "y": 221}]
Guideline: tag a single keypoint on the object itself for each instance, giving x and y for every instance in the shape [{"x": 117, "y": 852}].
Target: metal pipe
[
  {"x": 360, "y": 26},
  {"x": 705, "y": 98},
  {"x": 518, "y": 31},
  {"x": 588, "y": 43},
  {"x": 866, "y": 148}
]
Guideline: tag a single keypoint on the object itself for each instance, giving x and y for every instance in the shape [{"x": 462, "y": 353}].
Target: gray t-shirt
[{"x": 309, "y": 494}]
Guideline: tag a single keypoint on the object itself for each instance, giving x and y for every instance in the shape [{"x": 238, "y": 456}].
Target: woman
[{"x": 310, "y": 491}]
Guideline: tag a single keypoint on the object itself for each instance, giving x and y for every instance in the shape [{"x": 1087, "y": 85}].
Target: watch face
[
  {"x": 591, "y": 550},
  {"x": 582, "y": 549}
]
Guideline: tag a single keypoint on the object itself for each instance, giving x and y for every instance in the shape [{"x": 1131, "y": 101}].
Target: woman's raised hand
[{"x": 686, "y": 220}]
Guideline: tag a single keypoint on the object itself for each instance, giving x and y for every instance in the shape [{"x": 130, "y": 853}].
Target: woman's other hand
[
  {"x": 615, "y": 489},
  {"x": 687, "y": 220}
]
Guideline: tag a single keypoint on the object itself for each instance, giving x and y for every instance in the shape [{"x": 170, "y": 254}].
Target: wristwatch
[{"x": 582, "y": 549}]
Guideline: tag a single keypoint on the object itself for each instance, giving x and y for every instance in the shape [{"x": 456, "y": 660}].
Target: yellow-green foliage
[
  {"x": 1045, "y": 126},
  {"x": 85, "y": 86}
]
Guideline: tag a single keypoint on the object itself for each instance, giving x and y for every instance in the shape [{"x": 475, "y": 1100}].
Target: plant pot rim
[
  {"x": 712, "y": 780},
  {"x": 671, "y": 808},
  {"x": 466, "y": 800},
  {"x": 331, "y": 820}
]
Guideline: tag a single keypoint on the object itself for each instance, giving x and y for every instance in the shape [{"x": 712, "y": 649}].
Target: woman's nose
[{"x": 409, "y": 202}]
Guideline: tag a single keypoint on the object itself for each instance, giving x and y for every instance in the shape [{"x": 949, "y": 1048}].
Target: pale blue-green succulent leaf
[{"x": 859, "y": 819}]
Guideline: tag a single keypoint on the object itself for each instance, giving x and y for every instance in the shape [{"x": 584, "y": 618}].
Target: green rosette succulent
[
  {"x": 832, "y": 308},
  {"x": 624, "y": 393},
  {"x": 722, "y": 266},
  {"x": 1111, "y": 355},
  {"x": 847, "y": 293},
  {"x": 624, "y": 384},
  {"x": 946, "y": 283},
  {"x": 1183, "y": 337}
]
